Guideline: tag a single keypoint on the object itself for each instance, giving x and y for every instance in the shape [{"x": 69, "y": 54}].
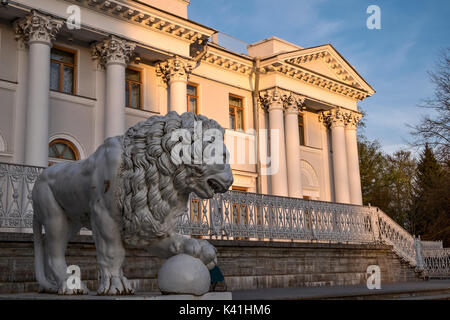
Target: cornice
[
  {"x": 150, "y": 18},
  {"x": 313, "y": 78},
  {"x": 338, "y": 69},
  {"x": 227, "y": 61},
  {"x": 347, "y": 81}
]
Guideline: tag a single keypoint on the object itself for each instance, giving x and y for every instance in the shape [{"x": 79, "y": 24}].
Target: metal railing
[
  {"x": 436, "y": 262},
  {"x": 244, "y": 215},
  {"x": 16, "y": 184}
]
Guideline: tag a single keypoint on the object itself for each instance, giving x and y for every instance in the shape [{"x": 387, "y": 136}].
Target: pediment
[{"x": 326, "y": 61}]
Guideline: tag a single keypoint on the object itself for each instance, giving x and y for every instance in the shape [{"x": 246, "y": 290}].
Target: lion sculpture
[{"x": 130, "y": 193}]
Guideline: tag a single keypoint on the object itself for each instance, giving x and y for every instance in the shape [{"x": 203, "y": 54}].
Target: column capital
[
  {"x": 333, "y": 118},
  {"x": 271, "y": 99},
  {"x": 293, "y": 103},
  {"x": 113, "y": 50},
  {"x": 37, "y": 27},
  {"x": 352, "y": 119},
  {"x": 286, "y": 100},
  {"x": 174, "y": 69}
]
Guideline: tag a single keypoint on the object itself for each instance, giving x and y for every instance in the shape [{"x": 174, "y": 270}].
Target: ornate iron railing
[
  {"x": 393, "y": 234},
  {"x": 247, "y": 215},
  {"x": 436, "y": 262},
  {"x": 16, "y": 184},
  {"x": 243, "y": 215}
]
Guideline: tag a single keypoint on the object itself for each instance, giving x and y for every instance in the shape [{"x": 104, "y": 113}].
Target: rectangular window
[
  {"x": 192, "y": 98},
  {"x": 62, "y": 70},
  {"x": 301, "y": 129},
  {"x": 236, "y": 112},
  {"x": 133, "y": 88}
]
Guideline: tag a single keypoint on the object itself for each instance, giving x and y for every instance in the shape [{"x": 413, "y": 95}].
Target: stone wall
[{"x": 245, "y": 264}]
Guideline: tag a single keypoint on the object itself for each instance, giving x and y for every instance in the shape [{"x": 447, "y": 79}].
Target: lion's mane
[{"x": 146, "y": 192}]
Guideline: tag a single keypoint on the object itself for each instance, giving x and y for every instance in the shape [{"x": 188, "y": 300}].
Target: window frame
[
  {"x": 301, "y": 125},
  {"x": 197, "y": 97},
  {"x": 68, "y": 144},
  {"x": 128, "y": 83},
  {"x": 61, "y": 71},
  {"x": 235, "y": 113}
]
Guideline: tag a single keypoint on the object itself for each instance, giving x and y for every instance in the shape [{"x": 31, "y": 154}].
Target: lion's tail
[{"x": 39, "y": 262}]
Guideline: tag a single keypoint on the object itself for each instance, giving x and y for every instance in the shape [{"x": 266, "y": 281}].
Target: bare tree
[{"x": 435, "y": 130}]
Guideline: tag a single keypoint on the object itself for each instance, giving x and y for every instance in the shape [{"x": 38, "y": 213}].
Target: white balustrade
[{"x": 243, "y": 215}]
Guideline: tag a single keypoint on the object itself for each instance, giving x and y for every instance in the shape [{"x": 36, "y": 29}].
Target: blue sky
[{"x": 394, "y": 60}]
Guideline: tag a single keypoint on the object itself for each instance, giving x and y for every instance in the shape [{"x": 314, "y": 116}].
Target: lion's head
[{"x": 164, "y": 159}]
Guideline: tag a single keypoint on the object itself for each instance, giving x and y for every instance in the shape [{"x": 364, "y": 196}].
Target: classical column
[
  {"x": 20, "y": 103},
  {"x": 263, "y": 144},
  {"x": 38, "y": 31},
  {"x": 99, "y": 112},
  {"x": 334, "y": 119},
  {"x": 114, "y": 54},
  {"x": 291, "y": 107},
  {"x": 175, "y": 72},
  {"x": 161, "y": 85},
  {"x": 351, "y": 121},
  {"x": 273, "y": 101}
]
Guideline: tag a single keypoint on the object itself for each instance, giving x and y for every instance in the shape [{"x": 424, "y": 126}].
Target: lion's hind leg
[{"x": 58, "y": 230}]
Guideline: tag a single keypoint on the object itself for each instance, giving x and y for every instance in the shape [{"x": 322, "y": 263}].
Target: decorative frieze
[
  {"x": 148, "y": 18},
  {"x": 328, "y": 59},
  {"x": 174, "y": 69},
  {"x": 227, "y": 63},
  {"x": 292, "y": 67},
  {"x": 37, "y": 27},
  {"x": 113, "y": 50}
]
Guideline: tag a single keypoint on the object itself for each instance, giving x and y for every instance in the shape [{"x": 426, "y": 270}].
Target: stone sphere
[{"x": 184, "y": 274}]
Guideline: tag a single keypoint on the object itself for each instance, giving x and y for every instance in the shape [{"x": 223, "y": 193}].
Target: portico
[{"x": 306, "y": 99}]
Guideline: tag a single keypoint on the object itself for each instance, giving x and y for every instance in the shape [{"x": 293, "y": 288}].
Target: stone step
[
  {"x": 433, "y": 289},
  {"x": 445, "y": 296}
]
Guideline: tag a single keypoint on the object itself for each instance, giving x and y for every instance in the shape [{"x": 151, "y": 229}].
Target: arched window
[{"x": 63, "y": 149}]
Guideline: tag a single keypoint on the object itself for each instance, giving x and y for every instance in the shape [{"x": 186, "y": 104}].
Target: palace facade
[{"x": 63, "y": 90}]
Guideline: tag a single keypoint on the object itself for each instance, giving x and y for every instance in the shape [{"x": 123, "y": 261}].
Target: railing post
[
  {"x": 420, "y": 265},
  {"x": 375, "y": 224}
]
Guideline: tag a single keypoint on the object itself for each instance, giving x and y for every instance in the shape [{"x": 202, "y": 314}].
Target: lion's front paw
[
  {"x": 112, "y": 286},
  {"x": 202, "y": 250},
  {"x": 65, "y": 290}
]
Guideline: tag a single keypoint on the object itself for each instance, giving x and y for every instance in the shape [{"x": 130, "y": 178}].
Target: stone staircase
[{"x": 246, "y": 264}]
